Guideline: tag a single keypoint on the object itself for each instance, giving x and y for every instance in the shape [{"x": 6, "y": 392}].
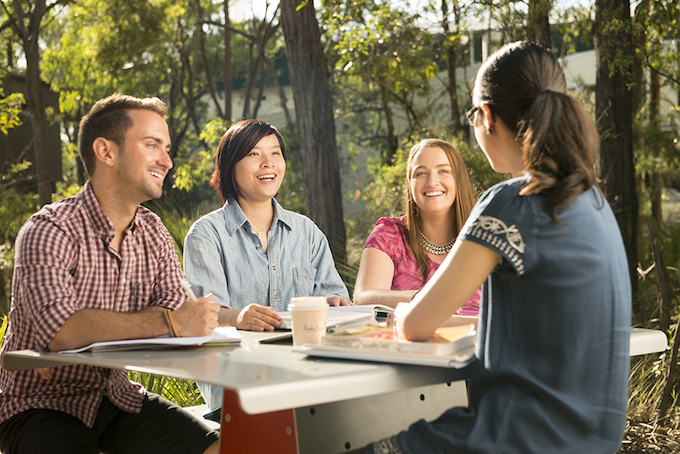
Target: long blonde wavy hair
[{"x": 463, "y": 203}]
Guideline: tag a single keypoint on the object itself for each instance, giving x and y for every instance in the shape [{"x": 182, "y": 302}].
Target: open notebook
[{"x": 224, "y": 335}]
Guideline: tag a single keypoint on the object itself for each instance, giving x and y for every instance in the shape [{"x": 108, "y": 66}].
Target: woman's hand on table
[
  {"x": 255, "y": 317},
  {"x": 338, "y": 301}
]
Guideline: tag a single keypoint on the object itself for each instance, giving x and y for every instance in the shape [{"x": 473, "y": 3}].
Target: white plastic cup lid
[{"x": 307, "y": 303}]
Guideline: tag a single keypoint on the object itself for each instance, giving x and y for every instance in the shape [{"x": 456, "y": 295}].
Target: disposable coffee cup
[{"x": 308, "y": 315}]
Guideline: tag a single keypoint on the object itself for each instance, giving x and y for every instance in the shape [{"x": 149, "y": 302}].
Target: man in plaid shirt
[{"x": 99, "y": 267}]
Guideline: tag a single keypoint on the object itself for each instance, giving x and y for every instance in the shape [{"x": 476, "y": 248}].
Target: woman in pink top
[{"x": 401, "y": 254}]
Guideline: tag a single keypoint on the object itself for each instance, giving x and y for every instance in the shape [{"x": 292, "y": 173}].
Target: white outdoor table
[
  {"x": 283, "y": 402},
  {"x": 279, "y": 401}
]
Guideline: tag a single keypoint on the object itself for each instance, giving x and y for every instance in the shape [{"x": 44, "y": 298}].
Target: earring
[{"x": 488, "y": 131}]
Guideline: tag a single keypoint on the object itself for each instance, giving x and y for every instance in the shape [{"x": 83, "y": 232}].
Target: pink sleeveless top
[{"x": 387, "y": 236}]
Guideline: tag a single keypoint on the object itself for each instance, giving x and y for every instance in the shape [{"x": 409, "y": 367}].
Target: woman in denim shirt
[{"x": 251, "y": 254}]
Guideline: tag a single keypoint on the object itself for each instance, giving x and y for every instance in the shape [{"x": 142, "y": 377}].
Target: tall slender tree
[
  {"x": 309, "y": 75},
  {"x": 613, "y": 109},
  {"x": 451, "y": 48},
  {"x": 538, "y": 28},
  {"x": 228, "y": 71},
  {"x": 26, "y": 19}
]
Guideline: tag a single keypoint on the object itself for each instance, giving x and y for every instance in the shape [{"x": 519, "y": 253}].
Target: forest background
[{"x": 361, "y": 75}]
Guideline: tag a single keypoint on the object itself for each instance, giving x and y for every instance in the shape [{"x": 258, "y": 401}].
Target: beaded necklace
[{"x": 436, "y": 249}]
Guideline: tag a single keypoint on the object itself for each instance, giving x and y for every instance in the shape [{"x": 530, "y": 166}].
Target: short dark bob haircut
[{"x": 235, "y": 145}]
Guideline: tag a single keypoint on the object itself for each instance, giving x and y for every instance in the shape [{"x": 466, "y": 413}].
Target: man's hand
[
  {"x": 339, "y": 301},
  {"x": 196, "y": 317},
  {"x": 258, "y": 318}
]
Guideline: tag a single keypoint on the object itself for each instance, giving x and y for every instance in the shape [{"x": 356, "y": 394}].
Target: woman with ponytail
[{"x": 551, "y": 366}]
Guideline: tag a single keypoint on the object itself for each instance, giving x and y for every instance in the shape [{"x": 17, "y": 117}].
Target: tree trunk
[
  {"x": 36, "y": 102},
  {"x": 613, "y": 109},
  {"x": 283, "y": 100},
  {"x": 539, "y": 26},
  {"x": 258, "y": 44},
  {"x": 308, "y": 71},
  {"x": 251, "y": 81},
  {"x": 640, "y": 41},
  {"x": 228, "y": 73},
  {"x": 200, "y": 16},
  {"x": 451, "y": 64},
  {"x": 392, "y": 142},
  {"x": 260, "y": 91},
  {"x": 655, "y": 178},
  {"x": 639, "y": 91}
]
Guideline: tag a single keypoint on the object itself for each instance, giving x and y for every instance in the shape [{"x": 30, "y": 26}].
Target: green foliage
[
  {"x": 646, "y": 304},
  {"x": 615, "y": 30},
  {"x": 3, "y": 329},
  {"x": 100, "y": 47},
  {"x": 574, "y": 26},
  {"x": 385, "y": 196},
  {"x": 382, "y": 61},
  {"x": 648, "y": 373},
  {"x": 291, "y": 195},
  {"x": 15, "y": 209},
  {"x": 658, "y": 22},
  {"x": 184, "y": 393},
  {"x": 646, "y": 384},
  {"x": 197, "y": 168},
  {"x": 178, "y": 216},
  {"x": 656, "y": 150},
  {"x": 482, "y": 176},
  {"x": 194, "y": 170},
  {"x": 10, "y": 108}
]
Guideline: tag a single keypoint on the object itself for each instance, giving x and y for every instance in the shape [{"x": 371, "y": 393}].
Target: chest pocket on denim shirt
[{"x": 303, "y": 281}]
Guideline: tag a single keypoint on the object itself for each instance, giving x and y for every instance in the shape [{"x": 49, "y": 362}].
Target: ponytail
[
  {"x": 559, "y": 142},
  {"x": 524, "y": 85}
]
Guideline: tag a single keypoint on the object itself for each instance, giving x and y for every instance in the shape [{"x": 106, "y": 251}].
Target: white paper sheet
[{"x": 221, "y": 335}]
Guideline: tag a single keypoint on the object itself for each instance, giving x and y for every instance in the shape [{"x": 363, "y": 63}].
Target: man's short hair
[{"x": 109, "y": 118}]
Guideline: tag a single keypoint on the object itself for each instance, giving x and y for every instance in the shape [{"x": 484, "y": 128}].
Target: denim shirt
[{"x": 224, "y": 256}]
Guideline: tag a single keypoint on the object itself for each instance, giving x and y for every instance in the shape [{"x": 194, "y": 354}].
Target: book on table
[
  {"x": 223, "y": 335},
  {"x": 343, "y": 316},
  {"x": 338, "y": 318},
  {"x": 451, "y": 346},
  {"x": 444, "y": 341},
  {"x": 378, "y": 310}
]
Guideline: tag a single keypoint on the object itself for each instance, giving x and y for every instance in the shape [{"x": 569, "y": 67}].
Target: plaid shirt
[{"x": 64, "y": 262}]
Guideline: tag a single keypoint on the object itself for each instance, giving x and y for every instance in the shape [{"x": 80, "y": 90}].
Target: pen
[{"x": 187, "y": 288}]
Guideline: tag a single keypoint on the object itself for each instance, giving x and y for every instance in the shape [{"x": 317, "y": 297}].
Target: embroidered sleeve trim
[
  {"x": 506, "y": 239},
  {"x": 389, "y": 445}
]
